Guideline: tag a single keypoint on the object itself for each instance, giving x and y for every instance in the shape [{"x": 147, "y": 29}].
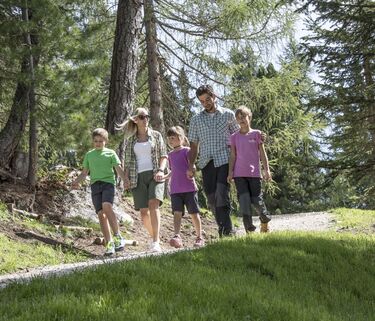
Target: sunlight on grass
[
  {"x": 281, "y": 276},
  {"x": 354, "y": 218},
  {"x": 20, "y": 255}
]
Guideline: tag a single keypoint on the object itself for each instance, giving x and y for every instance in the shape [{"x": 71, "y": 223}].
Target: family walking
[{"x": 228, "y": 149}]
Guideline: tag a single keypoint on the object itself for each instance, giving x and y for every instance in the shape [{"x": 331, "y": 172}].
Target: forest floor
[{"x": 53, "y": 201}]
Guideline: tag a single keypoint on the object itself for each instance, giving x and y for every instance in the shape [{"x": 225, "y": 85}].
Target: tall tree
[
  {"x": 342, "y": 47},
  {"x": 124, "y": 62}
]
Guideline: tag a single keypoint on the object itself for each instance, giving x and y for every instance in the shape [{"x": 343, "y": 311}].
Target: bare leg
[
  {"x": 104, "y": 226},
  {"x": 111, "y": 216},
  {"x": 153, "y": 205},
  {"x": 197, "y": 224},
  {"x": 177, "y": 217},
  {"x": 145, "y": 217}
]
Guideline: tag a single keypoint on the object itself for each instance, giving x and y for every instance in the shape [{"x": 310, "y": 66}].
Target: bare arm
[
  {"x": 193, "y": 154},
  {"x": 264, "y": 160},
  {"x": 232, "y": 160},
  {"x": 159, "y": 175},
  {"x": 80, "y": 178}
]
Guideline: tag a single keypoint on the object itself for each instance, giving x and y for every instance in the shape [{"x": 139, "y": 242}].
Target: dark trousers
[
  {"x": 250, "y": 198},
  {"x": 216, "y": 188}
]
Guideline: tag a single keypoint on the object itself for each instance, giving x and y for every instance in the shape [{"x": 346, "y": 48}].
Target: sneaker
[
  {"x": 110, "y": 248},
  {"x": 199, "y": 242},
  {"x": 155, "y": 247},
  {"x": 176, "y": 241},
  {"x": 264, "y": 228},
  {"x": 119, "y": 243}
]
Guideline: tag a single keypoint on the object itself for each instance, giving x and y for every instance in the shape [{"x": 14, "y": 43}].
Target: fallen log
[
  {"x": 101, "y": 241},
  {"x": 88, "y": 230},
  {"x": 13, "y": 210}
]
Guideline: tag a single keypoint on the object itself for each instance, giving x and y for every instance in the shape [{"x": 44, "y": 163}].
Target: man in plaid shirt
[{"x": 209, "y": 134}]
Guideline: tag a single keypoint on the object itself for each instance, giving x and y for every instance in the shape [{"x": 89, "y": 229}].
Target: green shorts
[{"x": 147, "y": 189}]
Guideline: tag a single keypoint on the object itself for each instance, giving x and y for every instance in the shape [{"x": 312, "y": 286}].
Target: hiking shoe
[
  {"x": 119, "y": 243},
  {"x": 199, "y": 242},
  {"x": 264, "y": 228},
  {"x": 176, "y": 241},
  {"x": 155, "y": 247},
  {"x": 110, "y": 248}
]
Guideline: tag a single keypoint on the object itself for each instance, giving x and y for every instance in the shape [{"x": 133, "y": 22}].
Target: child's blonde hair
[
  {"x": 100, "y": 132},
  {"x": 129, "y": 126},
  {"x": 243, "y": 111},
  {"x": 179, "y": 132}
]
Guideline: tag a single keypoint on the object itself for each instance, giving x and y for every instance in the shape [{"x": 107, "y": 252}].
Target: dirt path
[{"x": 316, "y": 221}]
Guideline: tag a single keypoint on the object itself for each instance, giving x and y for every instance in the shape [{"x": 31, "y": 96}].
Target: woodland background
[{"x": 69, "y": 66}]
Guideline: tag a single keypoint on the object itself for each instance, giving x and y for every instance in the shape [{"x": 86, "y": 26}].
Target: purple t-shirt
[
  {"x": 179, "y": 164},
  {"x": 247, "y": 163}
]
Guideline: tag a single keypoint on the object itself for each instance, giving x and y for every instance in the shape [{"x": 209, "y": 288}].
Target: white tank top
[{"x": 143, "y": 154}]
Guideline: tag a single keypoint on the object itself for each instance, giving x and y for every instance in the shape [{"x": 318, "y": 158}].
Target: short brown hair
[
  {"x": 100, "y": 132},
  {"x": 205, "y": 89},
  {"x": 244, "y": 111}
]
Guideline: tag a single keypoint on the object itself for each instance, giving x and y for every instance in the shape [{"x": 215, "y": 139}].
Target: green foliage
[
  {"x": 4, "y": 213},
  {"x": 327, "y": 276},
  {"x": 346, "y": 98}
]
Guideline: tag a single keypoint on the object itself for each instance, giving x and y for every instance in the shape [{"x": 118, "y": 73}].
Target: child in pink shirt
[
  {"x": 247, "y": 151},
  {"x": 183, "y": 189}
]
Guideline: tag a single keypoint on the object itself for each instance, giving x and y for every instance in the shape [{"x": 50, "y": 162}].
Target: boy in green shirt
[{"x": 99, "y": 163}]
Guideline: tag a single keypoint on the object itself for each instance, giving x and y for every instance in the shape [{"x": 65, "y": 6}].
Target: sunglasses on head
[{"x": 142, "y": 117}]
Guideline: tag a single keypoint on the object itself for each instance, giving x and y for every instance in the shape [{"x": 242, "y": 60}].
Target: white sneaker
[{"x": 155, "y": 247}]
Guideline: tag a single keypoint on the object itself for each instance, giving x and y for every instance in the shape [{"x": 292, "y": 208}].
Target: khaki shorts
[{"x": 147, "y": 189}]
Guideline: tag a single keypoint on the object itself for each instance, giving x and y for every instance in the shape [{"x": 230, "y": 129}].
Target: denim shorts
[
  {"x": 188, "y": 199},
  {"x": 102, "y": 192}
]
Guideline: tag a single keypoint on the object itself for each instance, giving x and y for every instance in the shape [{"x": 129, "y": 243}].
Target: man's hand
[
  {"x": 230, "y": 178},
  {"x": 267, "y": 175}
]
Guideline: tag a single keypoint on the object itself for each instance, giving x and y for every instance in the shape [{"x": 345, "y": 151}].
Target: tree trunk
[
  {"x": 369, "y": 84},
  {"x": 33, "y": 145},
  {"x": 13, "y": 130},
  {"x": 124, "y": 63},
  {"x": 156, "y": 111}
]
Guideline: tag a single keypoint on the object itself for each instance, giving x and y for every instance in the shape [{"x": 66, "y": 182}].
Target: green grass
[
  {"x": 354, "y": 218},
  {"x": 17, "y": 255},
  {"x": 281, "y": 276}
]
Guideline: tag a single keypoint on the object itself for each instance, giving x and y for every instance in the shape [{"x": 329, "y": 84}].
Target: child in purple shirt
[
  {"x": 183, "y": 189},
  {"x": 247, "y": 151}
]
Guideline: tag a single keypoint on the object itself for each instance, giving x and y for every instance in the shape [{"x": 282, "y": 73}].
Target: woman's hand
[{"x": 159, "y": 176}]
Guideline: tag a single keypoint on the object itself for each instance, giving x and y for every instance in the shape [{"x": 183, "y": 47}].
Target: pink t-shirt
[
  {"x": 179, "y": 164},
  {"x": 247, "y": 163}
]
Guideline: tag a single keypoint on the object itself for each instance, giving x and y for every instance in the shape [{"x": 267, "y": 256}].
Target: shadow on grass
[{"x": 281, "y": 276}]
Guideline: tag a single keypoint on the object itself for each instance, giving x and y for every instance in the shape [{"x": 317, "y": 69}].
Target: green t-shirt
[{"x": 100, "y": 163}]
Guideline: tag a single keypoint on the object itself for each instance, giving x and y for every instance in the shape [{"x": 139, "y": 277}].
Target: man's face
[{"x": 208, "y": 102}]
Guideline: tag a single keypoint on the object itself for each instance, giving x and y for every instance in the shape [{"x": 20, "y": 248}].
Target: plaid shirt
[
  {"x": 212, "y": 132},
  {"x": 158, "y": 150}
]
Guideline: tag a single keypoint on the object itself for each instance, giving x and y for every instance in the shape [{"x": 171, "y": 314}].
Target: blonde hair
[
  {"x": 244, "y": 111},
  {"x": 129, "y": 126},
  {"x": 179, "y": 132},
  {"x": 100, "y": 132}
]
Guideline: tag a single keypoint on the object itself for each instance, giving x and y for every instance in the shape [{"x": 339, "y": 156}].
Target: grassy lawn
[
  {"x": 362, "y": 220},
  {"x": 19, "y": 255},
  {"x": 16, "y": 255},
  {"x": 280, "y": 276}
]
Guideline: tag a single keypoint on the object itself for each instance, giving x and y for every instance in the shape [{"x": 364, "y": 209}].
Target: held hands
[
  {"x": 159, "y": 176},
  {"x": 190, "y": 173},
  {"x": 126, "y": 184},
  {"x": 230, "y": 178}
]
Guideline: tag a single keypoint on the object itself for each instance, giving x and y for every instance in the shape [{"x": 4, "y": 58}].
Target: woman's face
[{"x": 142, "y": 119}]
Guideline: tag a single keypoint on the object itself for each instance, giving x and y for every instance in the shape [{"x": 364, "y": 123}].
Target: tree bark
[
  {"x": 124, "y": 63},
  {"x": 13, "y": 130},
  {"x": 156, "y": 111}
]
